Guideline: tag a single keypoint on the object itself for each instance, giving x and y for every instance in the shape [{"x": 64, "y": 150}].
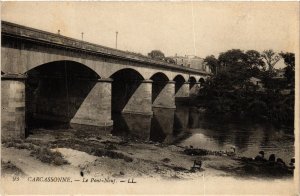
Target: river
[{"x": 188, "y": 127}]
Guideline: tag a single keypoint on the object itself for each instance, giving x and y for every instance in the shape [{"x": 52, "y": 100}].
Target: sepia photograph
[{"x": 162, "y": 97}]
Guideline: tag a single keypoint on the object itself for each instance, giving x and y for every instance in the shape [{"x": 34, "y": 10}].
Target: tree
[
  {"x": 156, "y": 54},
  {"x": 233, "y": 59},
  {"x": 289, "y": 60},
  {"x": 254, "y": 59},
  {"x": 234, "y": 62},
  {"x": 232, "y": 93},
  {"x": 212, "y": 62},
  {"x": 255, "y": 63},
  {"x": 271, "y": 58}
]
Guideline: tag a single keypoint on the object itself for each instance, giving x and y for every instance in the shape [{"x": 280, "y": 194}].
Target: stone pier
[
  {"x": 95, "y": 110},
  {"x": 13, "y": 106},
  {"x": 195, "y": 89},
  {"x": 183, "y": 91},
  {"x": 166, "y": 97},
  {"x": 141, "y": 101}
]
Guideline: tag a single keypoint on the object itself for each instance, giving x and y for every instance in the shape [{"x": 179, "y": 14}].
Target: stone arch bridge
[{"x": 50, "y": 77}]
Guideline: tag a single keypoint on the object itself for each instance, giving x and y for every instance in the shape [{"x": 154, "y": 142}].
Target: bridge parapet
[{"x": 36, "y": 35}]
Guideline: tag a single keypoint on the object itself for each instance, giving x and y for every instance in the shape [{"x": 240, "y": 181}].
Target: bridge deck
[{"x": 36, "y": 35}]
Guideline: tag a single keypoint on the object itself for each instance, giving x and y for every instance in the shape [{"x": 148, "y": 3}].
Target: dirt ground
[{"x": 70, "y": 152}]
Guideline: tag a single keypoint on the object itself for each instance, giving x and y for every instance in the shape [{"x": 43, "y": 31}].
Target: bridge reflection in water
[
  {"x": 187, "y": 126},
  {"x": 165, "y": 126}
]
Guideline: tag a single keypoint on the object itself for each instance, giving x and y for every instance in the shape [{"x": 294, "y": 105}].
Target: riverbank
[{"x": 70, "y": 152}]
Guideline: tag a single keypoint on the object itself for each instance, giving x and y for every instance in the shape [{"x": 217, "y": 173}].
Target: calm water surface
[{"x": 187, "y": 126}]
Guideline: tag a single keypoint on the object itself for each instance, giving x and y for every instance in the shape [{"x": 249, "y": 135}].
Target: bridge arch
[
  {"x": 192, "y": 81},
  {"x": 159, "y": 76},
  {"x": 179, "y": 77},
  {"x": 127, "y": 87},
  {"x": 179, "y": 81},
  {"x": 182, "y": 89},
  {"x": 160, "y": 80},
  {"x": 36, "y": 59},
  {"x": 127, "y": 74},
  {"x": 56, "y": 91},
  {"x": 63, "y": 67},
  {"x": 193, "y": 86},
  {"x": 202, "y": 81}
]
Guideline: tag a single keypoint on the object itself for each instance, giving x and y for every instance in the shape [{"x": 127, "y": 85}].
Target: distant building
[{"x": 191, "y": 61}]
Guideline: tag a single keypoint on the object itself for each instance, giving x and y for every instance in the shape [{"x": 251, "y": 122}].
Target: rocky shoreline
[{"x": 107, "y": 155}]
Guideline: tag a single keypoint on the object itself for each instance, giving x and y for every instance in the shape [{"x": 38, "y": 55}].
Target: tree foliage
[
  {"x": 231, "y": 90},
  {"x": 156, "y": 54},
  {"x": 271, "y": 58},
  {"x": 236, "y": 59},
  {"x": 212, "y": 62},
  {"x": 232, "y": 60},
  {"x": 254, "y": 59},
  {"x": 289, "y": 60}
]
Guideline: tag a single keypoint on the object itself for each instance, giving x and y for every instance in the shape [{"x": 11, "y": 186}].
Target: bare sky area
[{"x": 185, "y": 28}]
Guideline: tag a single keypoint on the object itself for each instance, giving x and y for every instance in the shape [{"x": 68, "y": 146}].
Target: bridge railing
[{"x": 36, "y": 35}]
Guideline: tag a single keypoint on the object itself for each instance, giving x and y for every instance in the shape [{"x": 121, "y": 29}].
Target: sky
[{"x": 183, "y": 28}]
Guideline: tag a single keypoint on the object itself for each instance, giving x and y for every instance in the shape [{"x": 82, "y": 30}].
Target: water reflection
[
  {"x": 194, "y": 118},
  {"x": 165, "y": 126},
  {"x": 162, "y": 125},
  {"x": 181, "y": 118},
  {"x": 248, "y": 138},
  {"x": 187, "y": 126},
  {"x": 132, "y": 125}
]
